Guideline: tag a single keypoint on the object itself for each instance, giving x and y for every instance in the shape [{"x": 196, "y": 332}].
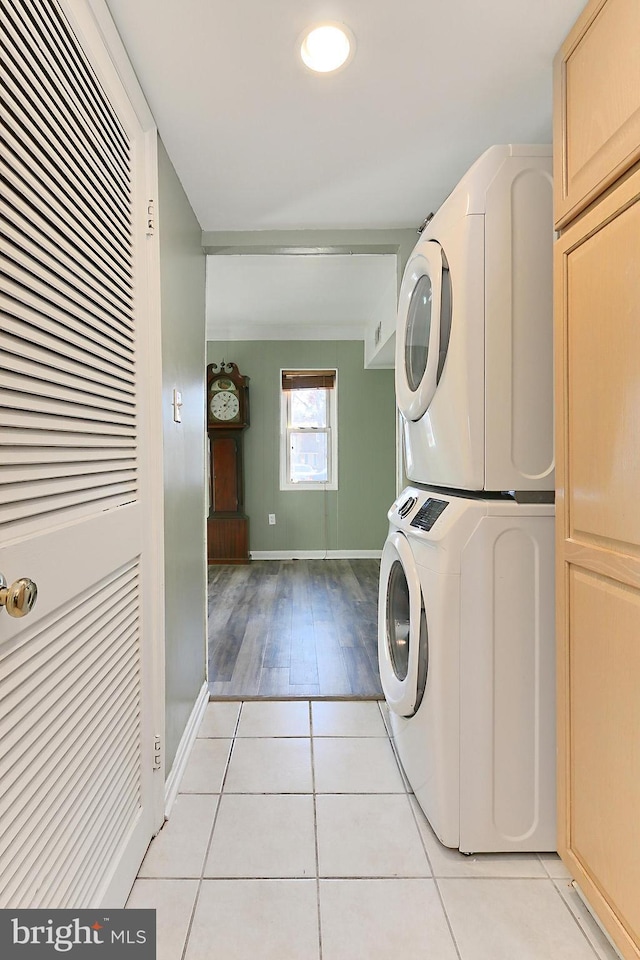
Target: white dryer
[
  {"x": 466, "y": 652},
  {"x": 474, "y": 341}
]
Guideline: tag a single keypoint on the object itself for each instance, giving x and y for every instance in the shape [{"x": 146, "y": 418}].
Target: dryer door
[
  {"x": 424, "y": 321},
  {"x": 402, "y": 628}
]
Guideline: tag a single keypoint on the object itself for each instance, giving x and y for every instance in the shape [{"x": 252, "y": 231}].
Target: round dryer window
[{"x": 416, "y": 348}]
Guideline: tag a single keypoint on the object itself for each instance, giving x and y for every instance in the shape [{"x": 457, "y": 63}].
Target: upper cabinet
[{"x": 597, "y": 111}]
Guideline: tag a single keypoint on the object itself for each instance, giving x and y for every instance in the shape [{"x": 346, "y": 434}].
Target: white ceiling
[
  {"x": 261, "y": 144},
  {"x": 298, "y": 297}
]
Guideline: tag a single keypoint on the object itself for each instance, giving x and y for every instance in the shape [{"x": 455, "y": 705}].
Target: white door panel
[{"x": 77, "y": 488}]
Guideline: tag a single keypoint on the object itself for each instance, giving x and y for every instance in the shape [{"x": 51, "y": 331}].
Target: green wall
[
  {"x": 354, "y": 517},
  {"x": 182, "y": 265}
]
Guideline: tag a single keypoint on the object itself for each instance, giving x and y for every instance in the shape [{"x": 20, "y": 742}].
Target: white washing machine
[
  {"x": 474, "y": 341},
  {"x": 466, "y": 652}
]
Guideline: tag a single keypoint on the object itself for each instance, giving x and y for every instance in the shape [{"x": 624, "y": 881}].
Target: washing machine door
[
  {"x": 402, "y": 628},
  {"x": 424, "y": 324}
]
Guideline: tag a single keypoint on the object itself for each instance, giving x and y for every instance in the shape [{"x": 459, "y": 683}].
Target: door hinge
[
  {"x": 157, "y": 753},
  {"x": 151, "y": 218}
]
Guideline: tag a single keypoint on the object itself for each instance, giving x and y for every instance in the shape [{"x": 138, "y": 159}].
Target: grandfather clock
[{"x": 227, "y": 418}]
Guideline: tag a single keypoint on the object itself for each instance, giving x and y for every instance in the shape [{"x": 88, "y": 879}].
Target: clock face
[{"x": 224, "y": 405}]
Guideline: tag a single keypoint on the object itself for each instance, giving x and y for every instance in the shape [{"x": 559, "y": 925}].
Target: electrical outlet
[{"x": 272, "y": 519}]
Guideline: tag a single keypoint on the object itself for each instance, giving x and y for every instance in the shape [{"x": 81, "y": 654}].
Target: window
[{"x": 308, "y": 430}]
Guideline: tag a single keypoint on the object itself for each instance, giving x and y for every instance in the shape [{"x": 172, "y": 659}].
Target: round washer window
[
  {"x": 416, "y": 350},
  {"x": 398, "y": 620}
]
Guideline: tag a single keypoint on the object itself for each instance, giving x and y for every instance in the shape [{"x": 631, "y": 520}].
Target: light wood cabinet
[
  {"x": 598, "y": 550},
  {"x": 597, "y": 338},
  {"x": 597, "y": 122}
]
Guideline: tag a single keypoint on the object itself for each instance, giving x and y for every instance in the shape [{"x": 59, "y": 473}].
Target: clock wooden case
[{"x": 227, "y": 418}]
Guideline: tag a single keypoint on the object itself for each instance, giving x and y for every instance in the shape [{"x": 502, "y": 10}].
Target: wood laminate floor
[{"x": 294, "y": 628}]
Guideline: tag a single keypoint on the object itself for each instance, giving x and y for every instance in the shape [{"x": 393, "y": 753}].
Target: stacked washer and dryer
[{"x": 466, "y": 611}]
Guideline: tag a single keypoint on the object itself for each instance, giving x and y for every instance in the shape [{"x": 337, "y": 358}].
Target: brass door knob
[{"x": 19, "y": 598}]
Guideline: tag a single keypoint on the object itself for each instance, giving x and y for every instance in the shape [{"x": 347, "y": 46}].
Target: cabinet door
[
  {"x": 597, "y": 104},
  {"x": 598, "y": 557}
]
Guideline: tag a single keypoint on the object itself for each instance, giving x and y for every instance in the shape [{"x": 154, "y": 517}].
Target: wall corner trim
[{"x": 187, "y": 740}]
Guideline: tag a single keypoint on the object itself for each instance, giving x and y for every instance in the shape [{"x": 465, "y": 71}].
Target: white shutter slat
[
  {"x": 42, "y": 250},
  {"x": 25, "y": 377},
  {"x": 62, "y": 763},
  {"x": 40, "y": 419},
  {"x": 50, "y": 360},
  {"x": 25, "y": 510},
  {"x": 18, "y": 805},
  {"x": 16, "y": 493},
  {"x": 60, "y": 403},
  {"x": 103, "y": 122},
  {"x": 28, "y": 473},
  {"x": 83, "y": 319},
  {"x": 53, "y": 77},
  {"x": 20, "y": 459},
  {"x": 30, "y": 194},
  {"x": 21, "y": 114},
  {"x": 38, "y": 857},
  {"x": 84, "y": 509},
  {"x": 27, "y": 731},
  {"x": 75, "y": 798},
  {"x": 34, "y": 155},
  {"x": 71, "y": 442},
  {"x": 31, "y": 221},
  {"x": 118, "y": 808},
  {"x": 47, "y": 333}
]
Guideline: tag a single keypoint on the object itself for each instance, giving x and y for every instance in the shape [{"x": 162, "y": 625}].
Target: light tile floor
[{"x": 294, "y": 838}]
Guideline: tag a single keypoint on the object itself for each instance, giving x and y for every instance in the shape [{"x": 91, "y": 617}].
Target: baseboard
[
  {"x": 187, "y": 740},
  {"x": 593, "y": 916},
  {"x": 315, "y": 554}
]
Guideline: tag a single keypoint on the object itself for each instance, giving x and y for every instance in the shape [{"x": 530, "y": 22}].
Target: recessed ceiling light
[{"x": 327, "y": 47}]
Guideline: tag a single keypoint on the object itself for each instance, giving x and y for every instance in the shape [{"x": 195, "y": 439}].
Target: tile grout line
[
  {"x": 408, "y": 795},
  {"x": 208, "y": 846},
  {"x": 315, "y": 830},
  {"x": 436, "y": 883},
  {"x": 366, "y": 876}
]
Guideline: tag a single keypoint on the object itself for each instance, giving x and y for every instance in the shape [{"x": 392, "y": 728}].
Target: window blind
[{"x": 308, "y": 379}]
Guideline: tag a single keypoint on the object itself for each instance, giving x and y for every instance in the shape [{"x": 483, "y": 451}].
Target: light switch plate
[{"x": 177, "y": 406}]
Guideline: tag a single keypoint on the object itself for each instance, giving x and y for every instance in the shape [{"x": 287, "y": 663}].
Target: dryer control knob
[{"x": 406, "y": 507}]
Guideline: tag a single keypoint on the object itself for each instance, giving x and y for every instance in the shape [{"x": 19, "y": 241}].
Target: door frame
[{"x": 94, "y": 26}]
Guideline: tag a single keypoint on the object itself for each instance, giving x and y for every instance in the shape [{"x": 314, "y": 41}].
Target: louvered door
[{"x": 76, "y": 780}]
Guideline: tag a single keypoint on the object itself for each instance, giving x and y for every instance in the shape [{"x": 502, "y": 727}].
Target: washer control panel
[{"x": 429, "y": 513}]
